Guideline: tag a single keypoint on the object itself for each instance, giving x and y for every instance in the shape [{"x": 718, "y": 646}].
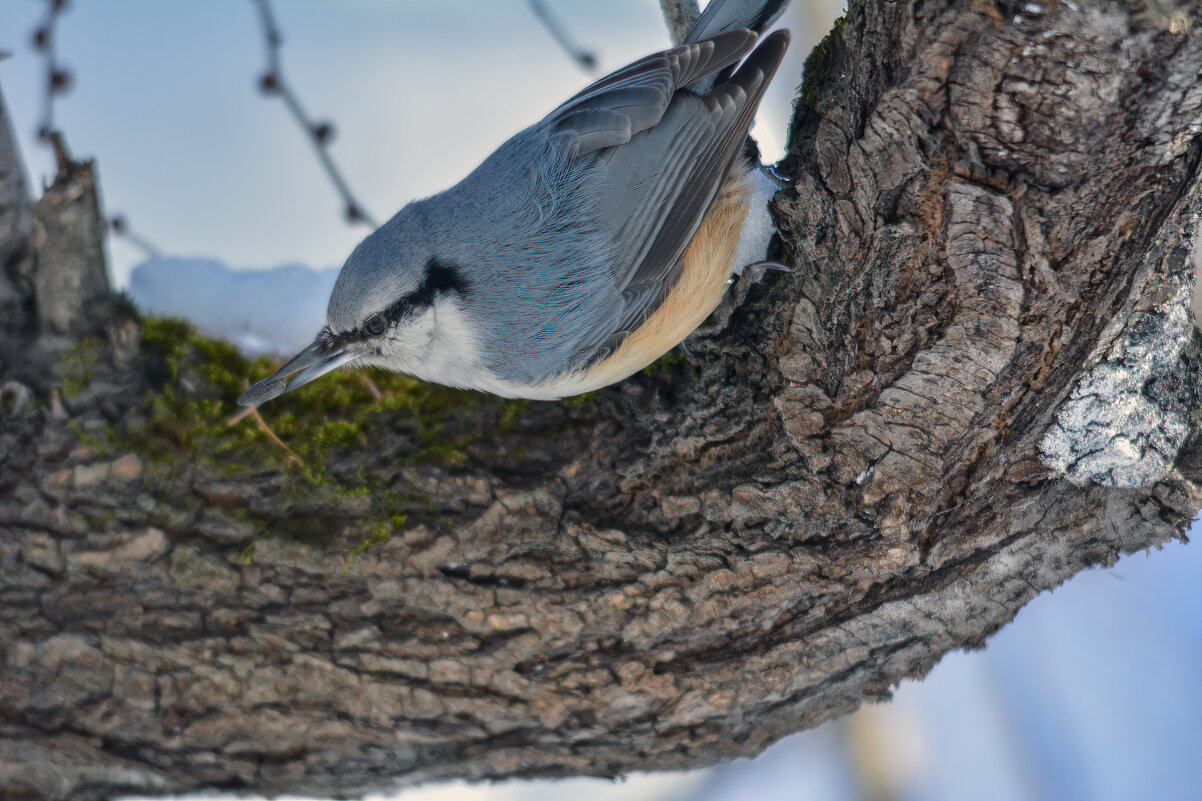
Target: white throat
[{"x": 442, "y": 346}]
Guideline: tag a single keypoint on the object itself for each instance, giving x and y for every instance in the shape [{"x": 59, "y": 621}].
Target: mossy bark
[{"x": 979, "y": 379}]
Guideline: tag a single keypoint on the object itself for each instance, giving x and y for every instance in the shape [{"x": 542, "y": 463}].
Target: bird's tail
[{"x": 729, "y": 15}]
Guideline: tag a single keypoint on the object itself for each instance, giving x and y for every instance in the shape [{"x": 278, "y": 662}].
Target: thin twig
[
  {"x": 319, "y": 134},
  {"x": 680, "y": 16},
  {"x": 58, "y": 80},
  {"x": 254, "y": 412},
  {"x": 120, "y": 226},
  {"x": 585, "y": 59},
  {"x": 238, "y": 416},
  {"x": 375, "y": 392}
]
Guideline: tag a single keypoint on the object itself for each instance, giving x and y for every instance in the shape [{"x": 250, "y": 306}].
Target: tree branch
[
  {"x": 881, "y": 458},
  {"x": 320, "y": 134},
  {"x": 16, "y": 224},
  {"x": 58, "y": 79},
  {"x": 584, "y": 58}
]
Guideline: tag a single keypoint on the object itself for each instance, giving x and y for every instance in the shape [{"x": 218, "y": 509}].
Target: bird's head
[{"x": 381, "y": 313}]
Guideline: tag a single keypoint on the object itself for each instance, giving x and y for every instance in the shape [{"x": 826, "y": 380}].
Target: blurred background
[{"x": 229, "y": 219}]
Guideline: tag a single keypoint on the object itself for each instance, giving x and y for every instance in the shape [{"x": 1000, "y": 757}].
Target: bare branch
[
  {"x": 58, "y": 79},
  {"x": 16, "y": 209},
  {"x": 585, "y": 59},
  {"x": 320, "y": 134},
  {"x": 120, "y": 227},
  {"x": 16, "y": 229},
  {"x": 254, "y": 412}
]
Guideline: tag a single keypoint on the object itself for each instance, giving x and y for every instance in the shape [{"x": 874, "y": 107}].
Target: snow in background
[
  {"x": 1093, "y": 692},
  {"x": 275, "y": 312}
]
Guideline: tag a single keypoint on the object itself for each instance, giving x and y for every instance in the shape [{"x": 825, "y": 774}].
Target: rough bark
[
  {"x": 979, "y": 379},
  {"x": 16, "y": 224},
  {"x": 70, "y": 281}
]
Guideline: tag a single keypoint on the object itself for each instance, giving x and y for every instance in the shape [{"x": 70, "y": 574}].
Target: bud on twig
[
  {"x": 60, "y": 80},
  {"x": 323, "y": 132}
]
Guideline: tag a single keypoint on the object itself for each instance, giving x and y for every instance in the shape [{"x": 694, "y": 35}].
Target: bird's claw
[{"x": 768, "y": 264}]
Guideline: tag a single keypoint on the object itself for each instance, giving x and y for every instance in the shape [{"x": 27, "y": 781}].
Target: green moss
[
  {"x": 191, "y": 415},
  {"x": 381, "y": 532},
  {"x": 247, "y": 555},
  {"x": 200, "y": 380},
  {"x": 76, "y": 366},
  {"x": 578, "y": 401},
  {"x": 100, "y": 444},
  {"x": 511, "y": 414},
  {"x": 190, "y": 568},
  {"x": 667, "y": 363},
  {"x": 820, "y": 62}
]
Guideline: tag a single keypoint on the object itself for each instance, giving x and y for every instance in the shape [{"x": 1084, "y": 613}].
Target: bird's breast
[{"x": 706, "y": 267}]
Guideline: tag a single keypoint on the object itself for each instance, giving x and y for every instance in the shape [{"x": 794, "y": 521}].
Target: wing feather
[
  {"x": 661, "y": 184},
  {"x": 643, "y": 90}
]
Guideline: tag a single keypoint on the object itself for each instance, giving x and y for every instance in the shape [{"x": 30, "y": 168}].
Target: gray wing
[
  {"x": 725, "y": 15},
  {"x": 634, "y": 98},
  {"x": 654, "y": 187}
]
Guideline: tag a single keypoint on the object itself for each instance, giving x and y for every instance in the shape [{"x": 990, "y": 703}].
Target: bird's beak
[{"x": 313, "y": 362}]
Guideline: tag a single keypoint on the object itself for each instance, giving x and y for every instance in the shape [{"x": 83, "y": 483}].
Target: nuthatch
[{"x": 584, "y": 248}]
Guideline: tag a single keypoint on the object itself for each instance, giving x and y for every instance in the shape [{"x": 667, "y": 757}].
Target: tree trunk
[{"x": 980, "y": 379}]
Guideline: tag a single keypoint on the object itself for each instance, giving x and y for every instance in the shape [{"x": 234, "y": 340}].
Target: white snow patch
[{"x": 275, "y": 311}]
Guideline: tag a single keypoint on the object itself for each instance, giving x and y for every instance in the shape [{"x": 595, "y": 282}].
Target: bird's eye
[{"x": 376, "y": 325}]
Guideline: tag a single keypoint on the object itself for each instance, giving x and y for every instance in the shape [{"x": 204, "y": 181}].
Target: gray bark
[
  {"x": 16, "y": 222},
  {"x": 70, "y": 282},
  {"x": 979, "y": 380}
]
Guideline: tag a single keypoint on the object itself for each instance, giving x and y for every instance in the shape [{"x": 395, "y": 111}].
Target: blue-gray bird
[{"x": 585, "y": 247}]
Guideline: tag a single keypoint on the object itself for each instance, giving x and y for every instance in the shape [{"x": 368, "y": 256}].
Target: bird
[{"x": 585, "y": 247}]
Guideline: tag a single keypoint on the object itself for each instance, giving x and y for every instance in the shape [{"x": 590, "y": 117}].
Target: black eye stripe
[{"x": 440, "y": 279}]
